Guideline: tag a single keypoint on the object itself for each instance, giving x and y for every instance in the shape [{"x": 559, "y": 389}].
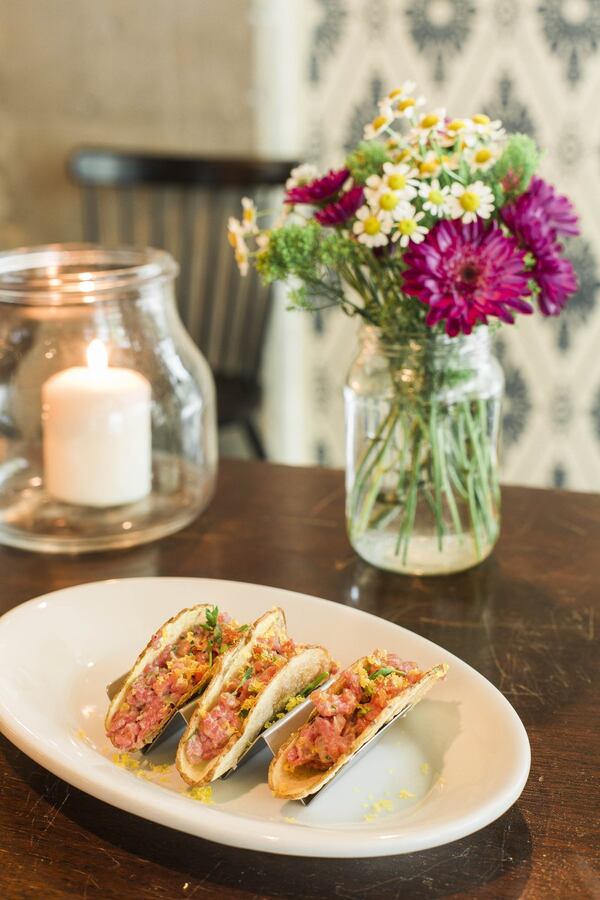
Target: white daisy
[
  {"x": 263, "y": 240},
  {"x": 380, "y": 198},
  {"x": 436, "y": 198},
  {"x": 241, "y": 258},
  {"x": 431, "y": 122},
  {"x": 454, "y": 129},
  {"x": 371, "y": 229},
  {"x": 407, "y": 228},
  {"x": 249, "y": 216},
  {"x": 470, "y": 201},
  {"x": 235, "y": 236},
  {"x": 483, "y": 156},
  {"x": 407, "y": 87},
  {"x": 301, "y": 175},
  {"x": 400, "y": 177},
  {"x": 430, "y": 165},
  {"x": 406, "y": 107},
  {"x": 379, "y": 123},
  {"x": 483, "y": 125},
  {"x": 235, "y": 231}
]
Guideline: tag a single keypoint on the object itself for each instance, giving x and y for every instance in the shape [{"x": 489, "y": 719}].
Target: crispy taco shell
[
  {"x": 292, "y": 678},
  {"x": 185, "y": 620},
  {"x": 303, "y": 781}
]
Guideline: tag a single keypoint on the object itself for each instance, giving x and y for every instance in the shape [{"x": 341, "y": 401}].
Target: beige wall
[{"x": 145, "y": 74}]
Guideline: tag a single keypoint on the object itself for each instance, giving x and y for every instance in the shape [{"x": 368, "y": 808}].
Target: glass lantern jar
[
  {"x": 107, "y": 408},
  {"x": 422, "y": 429}
]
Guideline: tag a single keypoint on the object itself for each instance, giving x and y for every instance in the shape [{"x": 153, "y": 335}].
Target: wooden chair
[{"x": 182, "y": 204}]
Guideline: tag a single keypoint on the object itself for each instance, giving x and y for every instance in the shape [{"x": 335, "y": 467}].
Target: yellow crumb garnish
[
  {"x": 126, "y": 761},
  {"x": 290, "y": 820},
  {"x": 382, "y": 806},
  {"x": 293, "y": 702},
  {"x": 159, "y": 769},
  {"x": 203, "y": 793},
  {"x": 405, "y": 795},
  {"x": 425, "y": 768},
  {"x": 377, "y": 808}
]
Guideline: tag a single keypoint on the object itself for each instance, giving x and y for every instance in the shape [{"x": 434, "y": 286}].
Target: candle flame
[{"x": 97, "y": 357}]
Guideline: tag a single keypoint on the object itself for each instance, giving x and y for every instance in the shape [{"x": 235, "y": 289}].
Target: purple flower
[
  {"x": 557, "y": 209},
  {"x": 539, "y": 216},
  {"x": 557, "y": 280},
  {"x": 527, "y": 221},
  {"x": 319, "y": 189},
  {"x": 465, "y": 273},
  {"x": 341, "y": 209}
]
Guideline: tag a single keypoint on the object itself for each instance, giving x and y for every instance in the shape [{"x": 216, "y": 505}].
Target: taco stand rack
[{"x": 272, "y": 738}]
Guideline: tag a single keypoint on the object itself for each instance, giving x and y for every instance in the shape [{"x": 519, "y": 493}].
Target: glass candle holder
[{"x": 108, "y": 433}]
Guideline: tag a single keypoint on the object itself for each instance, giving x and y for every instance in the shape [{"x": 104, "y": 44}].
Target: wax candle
[{"x": 97, "y": 434}]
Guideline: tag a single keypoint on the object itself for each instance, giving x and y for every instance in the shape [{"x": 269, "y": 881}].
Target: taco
[
  {"x": 269, "y": 674},
  {"x": 191, "y": 649},
  {"x": 354, "y": 707}
]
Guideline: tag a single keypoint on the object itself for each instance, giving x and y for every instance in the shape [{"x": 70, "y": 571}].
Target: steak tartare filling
[
  {"x": 226, "y": 718},
  {"x": 160, "y": 687},
  {"x": 348, "y": 707}
]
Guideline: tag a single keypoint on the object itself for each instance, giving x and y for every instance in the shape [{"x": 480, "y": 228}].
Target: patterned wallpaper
[{"x": 536, "y": 65}]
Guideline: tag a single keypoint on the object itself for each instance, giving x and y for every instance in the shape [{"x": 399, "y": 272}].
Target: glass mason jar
[
  {"x": 107, "y": 407},
  {"x": 422, "y": 429}
]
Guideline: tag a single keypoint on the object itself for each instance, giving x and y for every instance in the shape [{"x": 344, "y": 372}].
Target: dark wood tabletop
[{"x": 524, "y": 619}]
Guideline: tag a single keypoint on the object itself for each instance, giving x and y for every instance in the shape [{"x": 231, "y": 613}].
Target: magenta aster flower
[
  {"x": 341, "y": 209},
  {"x": 527, "y": 221},
  {"x": 557, "y": 280},
  {"x": 539, "y": 216},
  {"x": 465, "y": 273},
  {"x": 319, "y": 189},
  {"x": 557, "y": 209}
]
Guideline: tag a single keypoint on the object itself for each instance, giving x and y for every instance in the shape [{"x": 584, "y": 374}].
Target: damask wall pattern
[{"x": 536, "y": 65}]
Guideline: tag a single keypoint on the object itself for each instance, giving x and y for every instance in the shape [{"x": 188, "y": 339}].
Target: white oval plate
[{"x": 458, "y": 761}]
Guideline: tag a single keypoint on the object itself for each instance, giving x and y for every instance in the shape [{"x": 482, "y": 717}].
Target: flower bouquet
[{"x": 434, "y": 230}]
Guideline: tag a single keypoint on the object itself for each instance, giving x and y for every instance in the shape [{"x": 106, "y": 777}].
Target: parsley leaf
[
  {"x": 247, "y": 674},
  {"x": 243, "y": 628}
]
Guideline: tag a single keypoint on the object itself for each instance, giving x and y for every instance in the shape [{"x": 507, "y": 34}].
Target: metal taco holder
[
  {"x": 368, "y": 745},
  {"x": 272, "y": 738},
  {"x": 276, "y": 735}
]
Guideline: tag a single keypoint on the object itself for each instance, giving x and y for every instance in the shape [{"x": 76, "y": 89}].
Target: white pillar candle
[{"x": 97, "y": 433}]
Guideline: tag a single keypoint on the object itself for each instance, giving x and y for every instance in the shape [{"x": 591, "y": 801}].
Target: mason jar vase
[
  {"x": 422, "y": 431},
  {"x": 107, "y": 408}
]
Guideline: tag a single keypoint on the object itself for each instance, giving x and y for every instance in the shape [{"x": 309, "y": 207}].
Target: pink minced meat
[
  {"x": 163, "y": 684},
  {"x": 343, "y": 714},
  {"x": 215, "y": 729}
]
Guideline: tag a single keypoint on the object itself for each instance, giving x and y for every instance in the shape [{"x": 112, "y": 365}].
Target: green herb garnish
[
  {"x": 247, "y": 674},
  {"x": 243, "y": 628},
  {"x": 212, "y": 616},
  {"x": 386, "y": 670},
  {"x": 314, "y": 684},
  {"x": 243, "y": 713}
]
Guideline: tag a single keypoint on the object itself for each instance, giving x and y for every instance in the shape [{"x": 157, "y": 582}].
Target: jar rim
[
  {"x": 440, "y": 339},
  {"x": 74, "y": 273}
]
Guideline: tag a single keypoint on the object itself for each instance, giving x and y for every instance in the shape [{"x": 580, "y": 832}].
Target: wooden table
[{"x": 525, "y": 619}]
